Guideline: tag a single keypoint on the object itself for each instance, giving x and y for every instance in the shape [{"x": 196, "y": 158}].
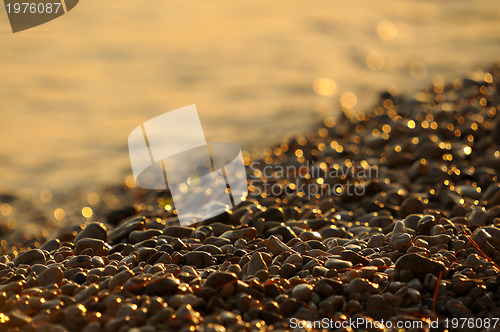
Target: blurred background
[{"x": 73, "y": 89}]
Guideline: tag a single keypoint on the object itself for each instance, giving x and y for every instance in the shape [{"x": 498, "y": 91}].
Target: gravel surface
[{"x": 391, "y": 214}]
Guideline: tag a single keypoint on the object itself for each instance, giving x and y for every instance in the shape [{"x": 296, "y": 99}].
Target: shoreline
[{"x": 418, "y": 245}]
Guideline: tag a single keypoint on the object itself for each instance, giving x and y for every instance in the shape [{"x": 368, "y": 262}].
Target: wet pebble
[
  {"x": 52, "y": 275},
  {"x": 30, "y": 257}
]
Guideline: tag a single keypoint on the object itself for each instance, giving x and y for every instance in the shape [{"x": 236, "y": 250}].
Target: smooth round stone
[
  {"x": 149, "y": 243},
  {"x": 124, "y": 229},
  {"x": 319, "y": 271},
  {"x": 82, "y": 261},
  {"x": 30, "y": 257},
  {"x": 87, "y": 292},
  {"x": 315, "y": 244},
  {"x": 461, "y": 284},
  {"x": 276, "y": 246},
  {"x": 256, "y": 264},
  {"x": 353, "y": 247},
  {"x": 288, "y": 270},
  {"x": 438, "y": 229},
  {"x": 421, "y": 243},
  {"x": 327, "y": 287},
  {"x": 425, "y": 224},
  {"x": 400, "y": 241},
  {"x": 94, "y": 230},
  {"x": 165, "y": 258},
  {"x": 399, "y": 228},
  {"x": 178, "y": 231},
  {"x": 357, "y": 285},
  {"x": 247, "y": 233},
  {"x": 219, "y": 228},
  {"x": 38, "y": 268},
  {"x": 234, "y": 268},
  {"x": 411, "y": 205},
  {"x": 477, "y": 218},
  {"x": 293, "y": 259},
  {"x": 367, "y": 272},
  {"x": 338, "y": 264},
  {"x": 50, "y": 245},
  {"x": 97, "y": 261},
  {"x": 473, "y": 260},
  {"x": 333, "y": 231},
  {"x": 376, "y": 241},
  {"x": 378, "y": 308},
  {"x": 288, "y": 307},
  {"x": 354, "y": 306},
  {"x": 271, "y": 214},
  {"x": 458, "y": 310},
  {"x": 162, "y": 286},
  {"x": 419, "y": 264},
  {"x": 198, "y": 259},
  {"x": 488, "y": 240},
  {"x": 218, "y": 280},
  {"x": 139, "y": 236},
  {"x": 53, "y": 275},
  {"x": 381, "y": 221},
  {"x": 435, "y": 240},
  {"x": 110, "y": 270},
  {"x": 217, "y": 241},
  {"x": 412, "y": 220},
  {"x": 414, "y": 295},
  {"x": 262, "y": 275},
  {"x": 285, "y": 232},
  {"x": 310, "y": 236},
  {"x": 302, "y": 292},
  {"x": 120, "y": 278},
  {"x": 494, "y": 188},
  {"x": 468, "y": 190},
  {"x": 99, "y": 247},
  {"x": 80, "y": 277},
  {"x": 210, "y": 248},
  {"x": 354, "y": 257}
]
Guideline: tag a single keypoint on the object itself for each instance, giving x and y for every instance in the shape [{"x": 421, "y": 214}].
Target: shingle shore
[{"x": 416, "y": 239}]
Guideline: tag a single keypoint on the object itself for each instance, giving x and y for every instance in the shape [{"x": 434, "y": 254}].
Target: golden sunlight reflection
[
  {"x": 375, "y": 60},
  {"x": 93, "y": 198},
  {"x": 329, "y": 121},
  {"x": 387, "y": 30},
  {"x": 325, "y": 86},
  {"x": 59, "y": 214},
  {"x": 348, "y": 100},
  {"x": 5, "y": 209},
  {"x": 45, "y": 196},
  {"x": 87, "y": 212},
  {"x": 418, "y": 70}
]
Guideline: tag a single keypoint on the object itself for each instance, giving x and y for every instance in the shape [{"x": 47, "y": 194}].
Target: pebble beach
[{"x": 391, "y": 214}]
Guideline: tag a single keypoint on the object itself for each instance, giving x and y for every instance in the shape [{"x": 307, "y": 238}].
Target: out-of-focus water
[{"x": 73, "y": 89}]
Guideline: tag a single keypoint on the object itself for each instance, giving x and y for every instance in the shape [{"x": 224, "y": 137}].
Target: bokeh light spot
[
  {"x": 325, "y": 86},
  {"x": 418, "y": 70},
  {"x": 387, "y": 30},
  {"x": 348, "y": 100}
]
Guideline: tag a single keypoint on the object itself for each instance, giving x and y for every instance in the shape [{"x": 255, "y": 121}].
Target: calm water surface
[{"x": 73, "y": 89}]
